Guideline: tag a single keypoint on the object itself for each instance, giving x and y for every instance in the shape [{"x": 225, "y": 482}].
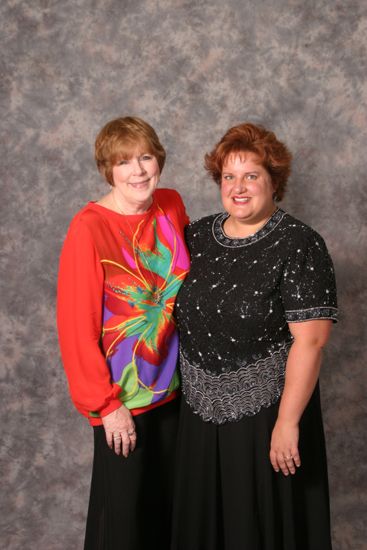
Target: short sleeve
[{"x": 308, "y": 287}]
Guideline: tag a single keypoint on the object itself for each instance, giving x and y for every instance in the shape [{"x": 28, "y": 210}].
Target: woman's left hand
[
  {"x": 302, "y": 371},
  {"x": 284, "y": 453}
]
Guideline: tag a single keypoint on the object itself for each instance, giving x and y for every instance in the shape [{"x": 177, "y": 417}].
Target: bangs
[
  {"x": 121, "y": 139},
  {"x": 236, "y": 149},
  {"x": 125, "y": 149},
  {"x": 243, "y": 156},
  {"x": 246, "y": 138}
]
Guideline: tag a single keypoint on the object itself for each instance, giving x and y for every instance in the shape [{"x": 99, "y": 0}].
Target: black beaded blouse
[{"x": 234, "y": 307}]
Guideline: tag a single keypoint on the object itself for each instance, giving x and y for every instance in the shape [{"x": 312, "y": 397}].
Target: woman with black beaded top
[{"x": 254, "y": 314}]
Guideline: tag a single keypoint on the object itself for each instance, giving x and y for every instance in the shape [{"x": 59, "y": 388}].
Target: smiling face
[
  {"x": 134, "y": 181},
  {"x": 247, "y": 193}
]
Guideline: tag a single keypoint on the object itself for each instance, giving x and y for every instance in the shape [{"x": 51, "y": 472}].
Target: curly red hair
[{"x": 273, "y": 154}]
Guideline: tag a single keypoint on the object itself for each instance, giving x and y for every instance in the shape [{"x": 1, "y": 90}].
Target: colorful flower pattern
[{"x": 139, "y": 335}]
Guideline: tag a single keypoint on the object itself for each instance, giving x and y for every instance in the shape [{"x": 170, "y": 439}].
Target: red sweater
[{"x": 118, "y": 280}]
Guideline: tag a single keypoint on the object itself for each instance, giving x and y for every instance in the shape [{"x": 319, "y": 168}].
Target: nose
[
  {"x": 138, "y": 167},
  {"x": 240, "y": 185}
]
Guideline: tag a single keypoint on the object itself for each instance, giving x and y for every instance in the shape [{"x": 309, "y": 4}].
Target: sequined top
[
  {"x": 118, "y": 280},
  {"x": 234, "y": 307}
]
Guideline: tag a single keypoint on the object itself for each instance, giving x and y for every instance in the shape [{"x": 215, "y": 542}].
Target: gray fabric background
[{"x": 191, "y": 69}]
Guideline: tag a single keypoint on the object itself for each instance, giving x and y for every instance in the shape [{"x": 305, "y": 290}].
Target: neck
[
  {"x": 241, "y": 229},
  {"x": 126, "y": 208}
]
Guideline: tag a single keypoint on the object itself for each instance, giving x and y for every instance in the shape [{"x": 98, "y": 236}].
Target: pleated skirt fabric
[
  {"x": 131, "y": 498},
  {"x": 228, "y": 497}
]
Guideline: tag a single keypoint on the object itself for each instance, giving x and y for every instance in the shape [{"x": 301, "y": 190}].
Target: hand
[
  {"x": 284, "y": 453},
  {"x": 120, "y": 431}
]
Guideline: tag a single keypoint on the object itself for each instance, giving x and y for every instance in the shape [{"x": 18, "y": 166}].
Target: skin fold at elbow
[{"x": 311, "y": 334}]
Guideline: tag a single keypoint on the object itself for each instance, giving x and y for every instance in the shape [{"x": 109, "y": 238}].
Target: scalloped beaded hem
[{"x": 230, "y": 396}]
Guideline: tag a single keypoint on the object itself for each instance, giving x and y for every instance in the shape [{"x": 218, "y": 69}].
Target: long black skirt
[
  {"x": 228, "y": 497},
  {"x": 131, "y": 498}
]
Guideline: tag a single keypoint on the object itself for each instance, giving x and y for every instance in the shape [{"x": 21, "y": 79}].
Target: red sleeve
[{"x": 79, "y": 320}]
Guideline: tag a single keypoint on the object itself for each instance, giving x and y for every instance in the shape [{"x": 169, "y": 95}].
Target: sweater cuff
[{"x": 113, "y": 405}]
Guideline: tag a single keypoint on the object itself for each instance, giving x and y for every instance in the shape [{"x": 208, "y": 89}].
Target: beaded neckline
[{"x": 223, "y": 239}]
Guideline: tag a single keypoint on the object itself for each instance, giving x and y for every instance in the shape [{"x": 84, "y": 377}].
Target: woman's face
[
  {"x": 246, "y": 188},
  {"x": 136, "y": 178}
]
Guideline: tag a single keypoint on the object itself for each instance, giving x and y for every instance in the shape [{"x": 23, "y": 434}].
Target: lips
[
  {"x": 241, "y": 200},
  {"x": 139, "y": 183}
]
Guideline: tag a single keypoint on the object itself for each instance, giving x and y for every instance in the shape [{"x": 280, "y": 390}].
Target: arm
[
  {"x": 79, "y": 320},
  {"x": 302, "y": 372}
]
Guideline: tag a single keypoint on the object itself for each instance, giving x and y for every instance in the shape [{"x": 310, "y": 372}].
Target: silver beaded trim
[
  {"x": 299, "y": 315},
  {"x": 228, "y": 242},
  {"x": 228, "y": 397}
]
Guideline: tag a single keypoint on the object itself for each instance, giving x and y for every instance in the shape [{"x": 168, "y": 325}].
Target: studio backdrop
[{"x": 191, "y": 69}]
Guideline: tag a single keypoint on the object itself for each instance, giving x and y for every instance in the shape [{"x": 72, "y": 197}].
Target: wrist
[
  {"x": 288, "y": 421},
  {"x": 112, "y": 406}
]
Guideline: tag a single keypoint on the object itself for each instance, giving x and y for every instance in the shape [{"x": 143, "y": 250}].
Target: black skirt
[
  {"x": 228, "y": 497},
  {"x": 131, "y": 498}
]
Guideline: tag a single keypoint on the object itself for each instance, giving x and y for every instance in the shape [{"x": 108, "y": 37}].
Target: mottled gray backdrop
[{"x": 192, "y": 69}]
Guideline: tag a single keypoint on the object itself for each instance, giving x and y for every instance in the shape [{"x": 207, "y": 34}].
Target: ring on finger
[
  {"x": 288, "y": 457},
  {"x": 131, "y": 432}
]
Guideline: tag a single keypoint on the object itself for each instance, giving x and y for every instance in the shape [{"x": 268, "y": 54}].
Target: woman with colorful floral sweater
[{"x": 121, "y": 266}]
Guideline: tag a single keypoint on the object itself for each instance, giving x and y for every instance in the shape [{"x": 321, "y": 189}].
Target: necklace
[{"x": 156, "y": 293}]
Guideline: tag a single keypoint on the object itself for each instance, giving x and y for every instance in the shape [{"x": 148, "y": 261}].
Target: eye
[
  {"x": 146, "y": 157},
  {"x": 251, "y": 177},
  {"x": 122, "y": 162},
  {"x": 227, "y": 177}
]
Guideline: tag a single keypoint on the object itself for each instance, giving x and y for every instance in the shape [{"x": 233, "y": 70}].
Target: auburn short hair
[
  {"x": 273, "y": 154},
  {"x": 118, "y": 140}
]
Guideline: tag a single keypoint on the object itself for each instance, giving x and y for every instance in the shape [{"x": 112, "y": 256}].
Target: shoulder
[
  {"x": 171, "y": 202},
  {"x": 167, "y": 196},
  {"x": 299, "y": 233},
  {"x": 85, "y": 221},
  {"x": 166, "y": 192}
]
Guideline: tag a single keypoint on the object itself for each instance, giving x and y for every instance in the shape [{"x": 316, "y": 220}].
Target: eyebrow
[
  {"x": 246, "y": 173},
  {"x": 128, "y": 156}
]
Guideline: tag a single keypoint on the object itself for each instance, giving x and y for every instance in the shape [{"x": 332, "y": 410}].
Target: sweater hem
[{"x": 140, "y": 410}]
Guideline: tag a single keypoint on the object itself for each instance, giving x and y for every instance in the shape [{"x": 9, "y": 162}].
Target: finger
[
  {"x": 282, "y": 464},
  {"x": 290, "y": 464},
  {"x": 273, "y": 461},
  {"x": 132, "y": 436},
  {"x": 296, "y": 457},
  {"x": 117, "y": 443},
  {"x": 133, "y": 439},
  {"x": 131, "y": 429},
  {"x": 125, "y": 443},
  {"x": 109, "y": 439}
]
